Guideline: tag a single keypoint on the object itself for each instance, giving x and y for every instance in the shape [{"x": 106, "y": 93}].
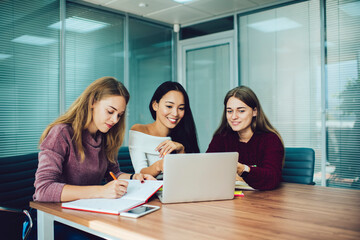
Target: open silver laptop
[{"x": 198, "y": 177}]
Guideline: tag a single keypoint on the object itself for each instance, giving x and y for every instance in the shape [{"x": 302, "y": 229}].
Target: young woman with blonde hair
[
  {"x": 245, "y": 129},
  {"x": 79, "y": 149}
]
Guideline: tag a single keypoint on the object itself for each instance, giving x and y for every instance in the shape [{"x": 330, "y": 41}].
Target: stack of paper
[{"x": 242, "y": 185}]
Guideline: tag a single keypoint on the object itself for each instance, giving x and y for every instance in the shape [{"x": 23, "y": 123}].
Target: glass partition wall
[
  {"x": 343, "y": 98},
  {"x": 150, "y": 64},
  {"x": 280, "y": 59},
  {"x": 302, "y": 60},
  {"x": 206, "y": 85},
  {"x": 29, "y": 73},
  {"x": 32, "y": 59},
  {"x": 94, "y": 42}
]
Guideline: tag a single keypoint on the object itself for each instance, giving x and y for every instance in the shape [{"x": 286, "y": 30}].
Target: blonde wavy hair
[{"x": 79, "y": 115}]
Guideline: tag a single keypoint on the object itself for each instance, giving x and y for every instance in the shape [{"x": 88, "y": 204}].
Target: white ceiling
[{"x": 172, "y": 12}]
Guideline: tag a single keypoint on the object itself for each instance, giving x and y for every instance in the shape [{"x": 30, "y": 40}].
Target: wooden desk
[{"x": 293, "y": 211}]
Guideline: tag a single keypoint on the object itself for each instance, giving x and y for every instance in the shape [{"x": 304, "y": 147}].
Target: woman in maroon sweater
[{"x": 245, "y": 129}]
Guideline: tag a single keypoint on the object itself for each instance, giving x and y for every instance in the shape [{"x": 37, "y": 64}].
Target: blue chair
[{"x": 299, "y": 165}]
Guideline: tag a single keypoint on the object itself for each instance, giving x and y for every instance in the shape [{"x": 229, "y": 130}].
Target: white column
[{"x": 45, "y": 225}]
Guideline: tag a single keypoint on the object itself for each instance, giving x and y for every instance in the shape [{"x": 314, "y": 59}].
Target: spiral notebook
[{"x": 137, "y": 194}]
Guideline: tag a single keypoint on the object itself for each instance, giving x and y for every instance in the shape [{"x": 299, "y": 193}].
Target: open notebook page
[{"x": 137, "y": 194}]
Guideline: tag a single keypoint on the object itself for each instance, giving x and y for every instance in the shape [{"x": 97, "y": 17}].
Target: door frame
[{"x": 227, "y": 37}]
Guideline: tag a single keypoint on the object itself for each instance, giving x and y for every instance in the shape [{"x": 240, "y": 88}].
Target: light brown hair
[
  {"x": 79, "y": 115},
  {"x": 259, "y": 123}
]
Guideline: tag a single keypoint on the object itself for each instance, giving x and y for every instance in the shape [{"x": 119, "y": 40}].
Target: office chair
[
  {"x": 17, "y": 175},
  {"x": 28, "y": 228},
  {"x": 125, "y": 160},
  {"x": 299, "y": 165}
]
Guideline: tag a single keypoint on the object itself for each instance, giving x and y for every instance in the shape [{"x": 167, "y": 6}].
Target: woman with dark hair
[
  {"x": 173, "y": 130},
  {"x": 245, "y": 129}
]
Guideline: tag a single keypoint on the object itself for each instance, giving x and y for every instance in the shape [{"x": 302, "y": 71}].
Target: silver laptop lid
[{"x": 199, "y": 177}]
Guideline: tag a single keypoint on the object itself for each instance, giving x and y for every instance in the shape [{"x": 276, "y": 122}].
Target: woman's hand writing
[{"x": 115, "y": 189}]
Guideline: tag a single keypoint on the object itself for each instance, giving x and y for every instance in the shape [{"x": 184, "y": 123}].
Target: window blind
[
  {"x": 343, "y": 119},
  {"x": 94, "y": 47},
  {"x": 29, "y": 73},
  {"x": 94, "y": 42},
  {"x": 280, "y": 61}
]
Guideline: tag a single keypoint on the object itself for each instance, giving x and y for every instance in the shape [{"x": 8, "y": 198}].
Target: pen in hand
[{"x": 113, "y": 175}]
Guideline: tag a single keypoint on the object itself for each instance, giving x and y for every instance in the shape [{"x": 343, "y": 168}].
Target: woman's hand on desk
[{"x": 114, "y": 189}]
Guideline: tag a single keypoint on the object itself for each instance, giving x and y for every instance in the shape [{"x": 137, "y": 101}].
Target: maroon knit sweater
[
  {"x": 59, "y": 163},
  {"x": 264, "y": 150}
]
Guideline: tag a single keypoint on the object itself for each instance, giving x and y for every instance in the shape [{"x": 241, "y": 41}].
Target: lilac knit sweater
[{"x": 59, "y": 163}]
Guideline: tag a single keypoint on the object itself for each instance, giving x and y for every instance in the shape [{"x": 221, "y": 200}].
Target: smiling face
[
  {"x": 170, "y": 109},
  {"x": 106, "y": 113},
  {"x": 239, "y": 115}
]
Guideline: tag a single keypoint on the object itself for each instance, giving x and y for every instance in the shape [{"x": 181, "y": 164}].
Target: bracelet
[{"x": 131, "y": 176}]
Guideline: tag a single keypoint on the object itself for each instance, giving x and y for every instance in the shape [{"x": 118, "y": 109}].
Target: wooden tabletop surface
[{"x": 293, "y": 211}]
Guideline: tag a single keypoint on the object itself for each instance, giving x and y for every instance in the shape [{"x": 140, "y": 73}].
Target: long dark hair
[
  {"x": 185, "y": 131},
  {"x": 259, "y": 123}
]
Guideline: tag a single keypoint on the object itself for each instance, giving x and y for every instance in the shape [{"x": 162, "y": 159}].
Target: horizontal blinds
[
  {"x": 94, "y": 41},
  {"x": 280, "y": 61},
  {"x": 94, "y": 47},
  {"x": 29, "y": 73},
  {"x": 343, "y": 119}
]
